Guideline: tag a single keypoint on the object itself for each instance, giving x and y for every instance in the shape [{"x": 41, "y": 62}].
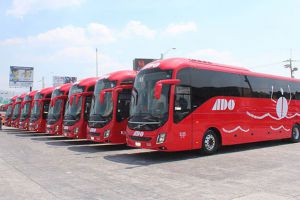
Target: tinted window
[
  {"x": 123, "y": 105},
  {"x": 182, "y": 103},
  {"x": 87, "y": 107},
  {"x": 91, "y": 89}
]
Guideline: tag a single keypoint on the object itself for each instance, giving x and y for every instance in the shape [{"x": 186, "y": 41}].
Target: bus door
[{"x": 183, "y": 119}]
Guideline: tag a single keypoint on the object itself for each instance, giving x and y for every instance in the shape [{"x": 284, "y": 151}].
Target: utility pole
[
  {"x": 290, "y": 64},
  {"x": 96, "y": 62}
]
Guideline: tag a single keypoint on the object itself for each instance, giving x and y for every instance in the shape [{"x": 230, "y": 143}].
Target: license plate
[
  {"x": 92, "y": 138},
  {"x": 66, "y": 128},
  {"x": 93, "y": 130},
  {"x": 48, "y": 126},
  {"x": 138, "y": 144},
  {"x": 65, "y": 134}
]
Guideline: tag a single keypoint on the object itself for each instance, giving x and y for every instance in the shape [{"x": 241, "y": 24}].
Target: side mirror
[
  {"x": 72, "y": 99},
  {"x": 53, "y": 101},
  {"x": 159, "y": 84},
  {"x": 123, "y": 87},
  {"x": 77, "y": 99},
  {"x": 102, "y": 93}
]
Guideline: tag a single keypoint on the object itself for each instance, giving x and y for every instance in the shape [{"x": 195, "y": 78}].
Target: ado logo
[
  {"x": 223, "y": 104},
  {"x": 138, "y": 133}
]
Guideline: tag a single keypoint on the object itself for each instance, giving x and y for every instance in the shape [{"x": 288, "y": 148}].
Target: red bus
[
  {"x": 183, "y": 104},
  {"x": 15, "y": 119},
  {"x": 57, "y": 108},
  {"x": 39, "y": 111},
  {"x": 9, "y": 111},
  {"x": 110, "y": 107},
  {"x": 78, "y": 108},
  {"x": 26, "y": 110}
]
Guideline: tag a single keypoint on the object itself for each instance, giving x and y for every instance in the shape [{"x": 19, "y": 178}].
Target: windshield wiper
[{"x": 69, "y": 117}]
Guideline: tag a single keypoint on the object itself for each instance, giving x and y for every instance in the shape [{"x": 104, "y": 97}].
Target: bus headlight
[
  {"x": 106, "y": 133},
  {"x": 56, "y": 128},
  {"x": 76, "y": 130},
  {"x": 161, "y": 138}
]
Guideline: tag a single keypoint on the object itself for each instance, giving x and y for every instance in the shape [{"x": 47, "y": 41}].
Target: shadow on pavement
[
  {"x": 69, "y": 142},
  {"x": 98, "y": 148},
  {"x": 156, "y": 157},
  {"x": 33, "y": 135},
  {"x": 14, "y": 131},
  {"x": 48, "y": 137}
]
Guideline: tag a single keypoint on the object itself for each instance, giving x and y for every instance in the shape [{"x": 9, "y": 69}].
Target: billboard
[
  {"x": 20, "y": 76},
  {"x": 139, "y": 63},
  {"x": 60, "y": 80}
]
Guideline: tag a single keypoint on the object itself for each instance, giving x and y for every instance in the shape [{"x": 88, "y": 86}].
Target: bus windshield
[
  {"x": 36, "y": 110},
  {"x": 54, "y": 113},
  {"x": 26, "y": 108},
  {"x": 102, "y": 111},
  {"x": 73, "y": 110},
  {"x": 8, "y": 111},
  {"x": 16, "y": 111},
  {"x": 147, "y": 112}
]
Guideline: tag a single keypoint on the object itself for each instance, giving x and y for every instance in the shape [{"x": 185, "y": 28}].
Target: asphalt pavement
[{"x": 41, "y": 166}]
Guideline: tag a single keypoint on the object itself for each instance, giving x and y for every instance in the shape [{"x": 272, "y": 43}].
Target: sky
[{"x": 59, "y": 37}]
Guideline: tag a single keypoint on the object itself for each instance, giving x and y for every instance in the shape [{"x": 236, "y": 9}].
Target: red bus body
[
  {"x": 15, "y": 119},
  {"x": 9, "y": 111},
  {"x": 108, "y": 119},
  {"x": 240, "y": 106},
  {"x": 39, "y": 111},
  {"x": 57, "y": 108},
  {"x": 78, "y": 107},
  {"x": 26, "y": 110}
]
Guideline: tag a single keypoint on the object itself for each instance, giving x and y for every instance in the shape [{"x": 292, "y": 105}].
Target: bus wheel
[
  {"x": 295, "y": 133},
  {"x": 210, "y": 142}
]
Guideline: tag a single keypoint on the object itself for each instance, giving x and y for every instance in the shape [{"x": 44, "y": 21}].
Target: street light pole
[
  {"x": 96, "y": 62},
  {"x": 167, "y": 51}
]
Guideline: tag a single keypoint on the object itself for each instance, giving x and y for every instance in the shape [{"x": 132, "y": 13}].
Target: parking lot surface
[{"x": 39, "y": 166}]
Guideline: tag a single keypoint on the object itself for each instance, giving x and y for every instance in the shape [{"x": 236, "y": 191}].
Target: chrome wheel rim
[
  {"x": 209, "y": 142},
  {"x": 296, "y": 133}
]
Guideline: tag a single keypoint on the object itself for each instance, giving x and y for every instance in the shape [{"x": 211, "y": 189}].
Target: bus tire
[
  {"x": 295, "y": 134},
  {"x": 210, "y": 142}
]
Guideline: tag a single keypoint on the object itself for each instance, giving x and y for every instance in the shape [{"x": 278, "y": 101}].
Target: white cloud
[
  {"x": 92, "y": 34},
  {"x": 100, "y": 33},
  {"x": 136, "y": 28},
  {"x": 21, "y": 8},
  {"x": 213, "y": 55},
  {"x": 176, "y": 29},
  {"x": 95, "y": 34}
]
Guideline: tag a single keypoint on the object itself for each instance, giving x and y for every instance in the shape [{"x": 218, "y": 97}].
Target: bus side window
[
  {"x": 182, "y": 104},
  {"x": 87, "y": 107}
]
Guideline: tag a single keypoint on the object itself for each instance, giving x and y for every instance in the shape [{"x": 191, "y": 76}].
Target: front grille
[
  {"x": 94, "y": 134},
  {"x": 67, "y": 131},
  {"x": 146, "y": 139}
]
